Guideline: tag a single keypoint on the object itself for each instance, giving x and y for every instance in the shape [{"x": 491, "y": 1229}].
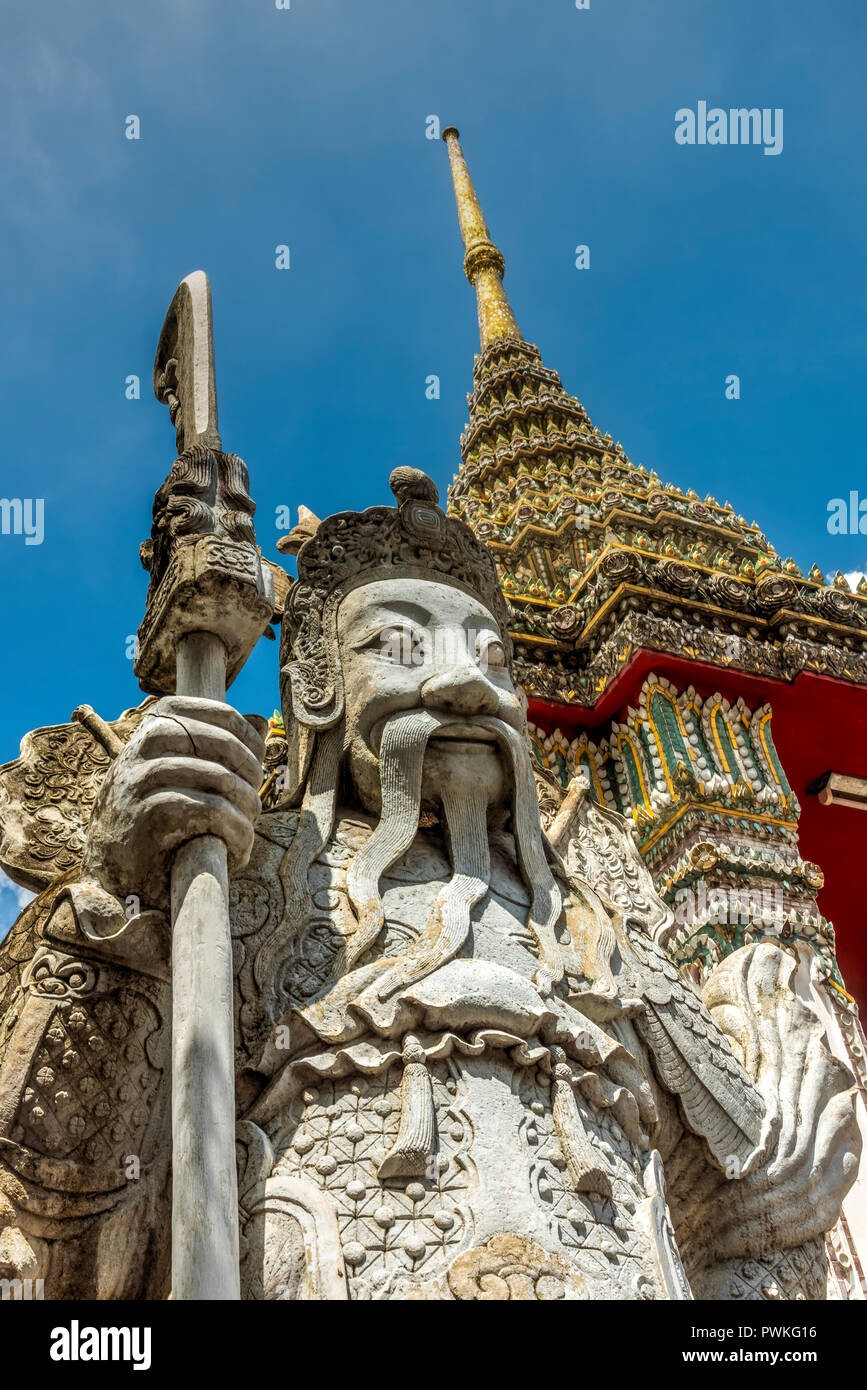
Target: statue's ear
[
  {"x": 313, "y": 691},
  {"x": 311, "y": 683},
  {"x": 318, "y": 702}
]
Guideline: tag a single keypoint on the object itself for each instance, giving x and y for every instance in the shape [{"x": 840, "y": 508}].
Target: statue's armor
[
  {"x": 84, "y": 1116},
  {"x": 540, "y": 1123},
  {"x": 471, "y": 1222}
]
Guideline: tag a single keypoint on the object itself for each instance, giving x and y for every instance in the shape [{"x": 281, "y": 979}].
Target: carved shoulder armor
[{"x": 47, "y": 794}]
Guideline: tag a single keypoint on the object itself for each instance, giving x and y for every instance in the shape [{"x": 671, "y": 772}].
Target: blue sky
[{"x": 306, "y": 127}]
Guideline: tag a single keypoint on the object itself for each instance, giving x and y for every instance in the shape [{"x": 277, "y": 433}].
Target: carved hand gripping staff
[{"x": 209, "y": 600}]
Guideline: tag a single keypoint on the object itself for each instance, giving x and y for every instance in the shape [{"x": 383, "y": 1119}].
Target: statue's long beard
[
  {"x": 401, "y": 758},
  {"x": 465, "y": 806},
  {"x": 403, "y": 747}
]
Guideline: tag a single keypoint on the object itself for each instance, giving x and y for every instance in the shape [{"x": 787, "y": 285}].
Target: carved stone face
[{"x": 409, "y": 644}]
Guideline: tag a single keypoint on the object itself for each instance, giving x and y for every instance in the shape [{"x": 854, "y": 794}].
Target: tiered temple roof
[{"x": 597, "y": 556}]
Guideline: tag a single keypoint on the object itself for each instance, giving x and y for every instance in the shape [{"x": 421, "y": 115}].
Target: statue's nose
[{"x": 460, "y": 690}]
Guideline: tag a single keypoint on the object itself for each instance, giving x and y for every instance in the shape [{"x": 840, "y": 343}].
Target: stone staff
[{"x": 209, "y": 600}]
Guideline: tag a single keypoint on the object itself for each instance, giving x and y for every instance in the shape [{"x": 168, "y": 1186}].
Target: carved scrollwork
[
  {"x": 729, "y": 591},
  {"x": 58, "y": 976},
  {"x": 47, "y": 796},
  {"x": 676, "y": 577},
  {"x": 206, "y": 492},
  {"x": 774, "y": 591},
  {"x": 834, "y": 604},
  {"x": 618, "y": 566},
  {"x": 566, "y": 621}
]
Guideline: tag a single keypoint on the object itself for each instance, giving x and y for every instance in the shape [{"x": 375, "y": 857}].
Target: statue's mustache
[{"x": 441, "y": 726}]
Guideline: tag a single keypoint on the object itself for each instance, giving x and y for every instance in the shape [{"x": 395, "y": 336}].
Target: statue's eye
[
  {"x": 492, "y": 654},
  {"x": 401, "y": 645}
]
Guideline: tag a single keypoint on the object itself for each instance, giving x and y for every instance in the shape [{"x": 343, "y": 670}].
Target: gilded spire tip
[{"x": 483, "y": 262}]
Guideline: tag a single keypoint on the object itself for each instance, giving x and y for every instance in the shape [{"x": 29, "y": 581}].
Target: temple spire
[{"x": 483, "y": 263}]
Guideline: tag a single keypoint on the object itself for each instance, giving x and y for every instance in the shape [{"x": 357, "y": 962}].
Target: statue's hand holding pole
[{"x": 209, "y": 601}]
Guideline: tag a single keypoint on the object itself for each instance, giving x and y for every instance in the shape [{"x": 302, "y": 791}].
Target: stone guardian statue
[{"x": 465, "y": 1067}]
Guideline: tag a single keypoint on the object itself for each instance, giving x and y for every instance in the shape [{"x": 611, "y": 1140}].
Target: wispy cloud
[{"x": 852, "y": 577}]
